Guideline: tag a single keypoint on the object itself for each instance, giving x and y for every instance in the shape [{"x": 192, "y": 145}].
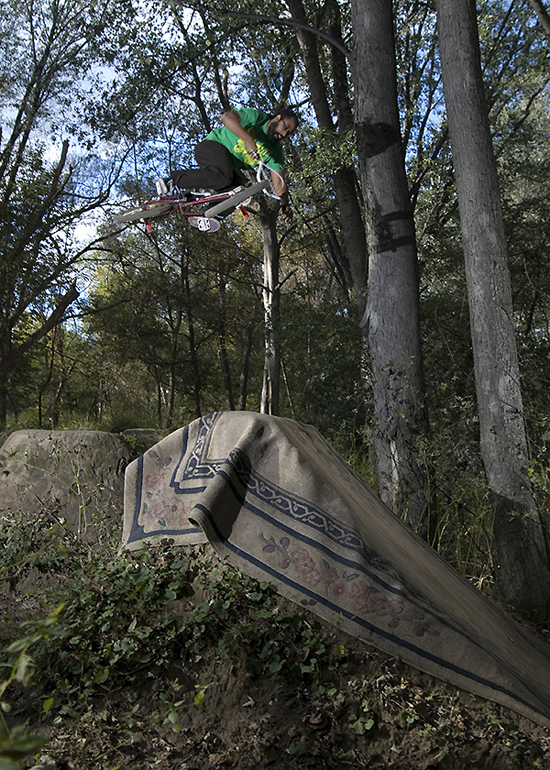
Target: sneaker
[
  {"x": 205, "y": 224},
  {"x": 164, "y": 186}
]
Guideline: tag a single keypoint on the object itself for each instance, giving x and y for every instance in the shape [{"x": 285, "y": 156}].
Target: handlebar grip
[{"x": 260, "y": 169}]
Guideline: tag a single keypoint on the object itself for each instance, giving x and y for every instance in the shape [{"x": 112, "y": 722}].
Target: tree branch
[
  {"x": 261, "y": 19},
  {"x": 55, "y": 318},
  {"x": 542, "y": 13}
]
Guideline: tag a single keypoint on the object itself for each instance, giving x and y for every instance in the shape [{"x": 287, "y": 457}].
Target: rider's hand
[
  {"x": 287, "y": 213},
  {"x": 251, "y": 147}
]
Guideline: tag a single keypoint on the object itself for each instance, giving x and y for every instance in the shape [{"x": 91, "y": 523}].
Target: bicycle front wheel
[
  {"x": 146, "y": 211},
  {"x": 234, "y": 200}
]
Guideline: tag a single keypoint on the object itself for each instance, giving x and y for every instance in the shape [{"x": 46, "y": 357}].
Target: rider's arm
[
  {"x": 232, "y": 121},
  {"x": 279, "y": 185}
]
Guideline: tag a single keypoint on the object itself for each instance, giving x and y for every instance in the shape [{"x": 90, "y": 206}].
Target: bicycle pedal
[{"x": 205, "y": 224}]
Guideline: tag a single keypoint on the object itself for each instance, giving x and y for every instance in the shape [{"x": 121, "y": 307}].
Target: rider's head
[{"x": 283, "y": 123}]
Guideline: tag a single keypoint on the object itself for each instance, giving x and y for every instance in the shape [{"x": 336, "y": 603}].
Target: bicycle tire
[
  {"x": 234, "y": 200},
  {"x": 146, "y": 211}
]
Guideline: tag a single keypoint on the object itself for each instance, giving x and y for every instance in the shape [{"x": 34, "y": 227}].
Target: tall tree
[
  {"x": 203, "y": 84},
  {"x": 521, "y": 538},
  {"x": 390, "y": 318},
  {"x": 392, "y": 311}
]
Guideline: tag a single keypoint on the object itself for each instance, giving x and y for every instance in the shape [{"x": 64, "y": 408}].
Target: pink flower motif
[
  {"x": 359, "y": 594},
  {"x": 382, "y": 606},
  {"x": 153, "y": 481},
  {"x": 176, "y": 515},
  {"x": 149, "y": 519},
  {"x": 303, "y": 562},
  {"x": 311, "y": 578},
  {"x": 329, "y": 575},
  {"x": 160, "y": 515},
  {"x": 359, "y": 590}
]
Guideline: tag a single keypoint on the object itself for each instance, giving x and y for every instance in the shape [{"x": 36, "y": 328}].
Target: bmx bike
[{"x": 203, "y": 210}]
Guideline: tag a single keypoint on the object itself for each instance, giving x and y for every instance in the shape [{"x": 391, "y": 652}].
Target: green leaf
[
  {"x": 201, "y": 689},
  {"x": 8, "y": 764},
  {"x": 48, "y": 703},
  {"x": 102, "y": 676},
  {"x": 24, "y": 663},
  {"x": 19, "y": 742}
]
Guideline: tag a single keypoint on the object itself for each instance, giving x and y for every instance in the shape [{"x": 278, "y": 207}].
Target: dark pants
[{"x": 215, "y": 169}]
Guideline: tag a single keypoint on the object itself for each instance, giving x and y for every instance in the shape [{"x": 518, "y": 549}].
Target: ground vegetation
[{"x": 170, "y": 658}]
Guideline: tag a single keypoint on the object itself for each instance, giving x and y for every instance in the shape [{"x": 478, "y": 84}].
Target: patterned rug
[{"x": 273, "y": 497}]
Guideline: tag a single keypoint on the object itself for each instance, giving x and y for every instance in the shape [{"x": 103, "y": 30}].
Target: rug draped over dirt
[{"x": 273, "y": 497}]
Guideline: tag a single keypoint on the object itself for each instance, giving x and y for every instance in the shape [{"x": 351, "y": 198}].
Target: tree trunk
[
  {"x": 56, "y": 379},
  {"x": 521, "y": 540},
  {"x": 271, "y": 296},
  {"x": 247, "y": 352},
  {"x": 344, "y": 179},
  {"x": 193, "y": 353},
  {"x": 222, "y": 345},
  {"x": 542, "y": 13},
  {"x": 391, "y": 318}
]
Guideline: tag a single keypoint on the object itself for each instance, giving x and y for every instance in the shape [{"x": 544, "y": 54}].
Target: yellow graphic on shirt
[{"x": 240, "y": 150}]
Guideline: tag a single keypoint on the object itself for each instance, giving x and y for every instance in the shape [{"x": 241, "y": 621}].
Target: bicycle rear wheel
[{"x": 145, "y": 211}]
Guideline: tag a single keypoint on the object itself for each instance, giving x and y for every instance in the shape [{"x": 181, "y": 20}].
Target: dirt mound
[{"x": 71, "y": 475}]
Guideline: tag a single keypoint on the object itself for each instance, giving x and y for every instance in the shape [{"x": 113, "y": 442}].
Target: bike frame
[{"x": 211, "y": 205}]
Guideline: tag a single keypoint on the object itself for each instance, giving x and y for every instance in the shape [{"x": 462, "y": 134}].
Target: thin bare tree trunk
[
  {"x": 247, "y": 351},
  {"x": 354, "y": 257},
  {"x": 271, "y": 297},
  {"x": 222, "y": 346}
]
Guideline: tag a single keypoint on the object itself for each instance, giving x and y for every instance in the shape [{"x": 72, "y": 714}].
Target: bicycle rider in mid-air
[{"x": 245, "y": 136}]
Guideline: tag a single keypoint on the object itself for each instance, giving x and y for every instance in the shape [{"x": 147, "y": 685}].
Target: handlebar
[
  {"x": 262, "y": 173},
  {"x": 260, "y": 168}
]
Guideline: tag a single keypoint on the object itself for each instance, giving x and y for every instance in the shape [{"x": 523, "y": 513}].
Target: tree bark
[
  {"x": 391, "y": 318},
  {"x": 222, "y": 346},
  {"x": 271, "y": 297},
  {"x": 542, "y": 13},
  {"x": 247, "y": 352},
  {"x": 520, "y": 537},
  {"x": 193, "y": 352}
]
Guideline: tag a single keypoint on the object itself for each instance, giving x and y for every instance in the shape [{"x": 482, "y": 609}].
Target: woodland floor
[{"x": 285, "y": 691}]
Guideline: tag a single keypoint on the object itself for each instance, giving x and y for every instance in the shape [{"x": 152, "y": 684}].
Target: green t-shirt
[{"x": 254, "y": 123}]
